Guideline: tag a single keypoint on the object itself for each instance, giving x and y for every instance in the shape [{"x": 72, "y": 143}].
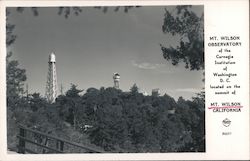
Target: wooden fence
[{"x": 35, "y": 142}]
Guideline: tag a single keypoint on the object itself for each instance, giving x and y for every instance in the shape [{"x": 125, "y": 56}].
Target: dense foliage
[
  {"x": 114, "y": 120},
  {"x": 185, "y": 23}
]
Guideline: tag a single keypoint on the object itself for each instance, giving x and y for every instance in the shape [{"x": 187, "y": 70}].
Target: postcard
[{"x": 124, "y": 80}]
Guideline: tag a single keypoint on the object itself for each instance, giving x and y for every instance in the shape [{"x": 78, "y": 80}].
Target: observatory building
[
  {"x": 156, "y": 92},
  {"x": 51, "y": 85},
  {"x": 116, "y": 78}
]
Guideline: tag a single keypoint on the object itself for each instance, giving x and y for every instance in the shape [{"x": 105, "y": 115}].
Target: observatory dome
[
  {"x": 52, "y": 57},
  {"x": 116, "y": 76}
]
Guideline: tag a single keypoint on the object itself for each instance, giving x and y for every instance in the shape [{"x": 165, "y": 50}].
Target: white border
[{"x": 214, "y": 11}]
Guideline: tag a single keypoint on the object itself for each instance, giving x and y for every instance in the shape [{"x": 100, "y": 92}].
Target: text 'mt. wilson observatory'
[{"x": 51, "y": 84}]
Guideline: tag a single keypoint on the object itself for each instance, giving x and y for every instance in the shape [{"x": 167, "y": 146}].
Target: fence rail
[{"x": 33, "y": 141}]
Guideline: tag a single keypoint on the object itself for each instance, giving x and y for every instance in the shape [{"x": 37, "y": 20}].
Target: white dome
[
  {"x": 116, "y": 76},
  {"x": 52, "y": 57}
]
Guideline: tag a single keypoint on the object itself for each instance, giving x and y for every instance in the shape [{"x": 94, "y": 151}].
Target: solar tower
[{"x": 51, "y": 85}]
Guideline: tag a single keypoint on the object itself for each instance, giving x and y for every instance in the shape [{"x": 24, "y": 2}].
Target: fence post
[
  {"x": 46, "y": 144},
  {"x": 21, "y": 147},
  {"x": 59, "y": 145}
]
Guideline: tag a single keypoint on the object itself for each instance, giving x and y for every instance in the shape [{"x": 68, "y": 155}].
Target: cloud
[{"x": 146, "y": 65}]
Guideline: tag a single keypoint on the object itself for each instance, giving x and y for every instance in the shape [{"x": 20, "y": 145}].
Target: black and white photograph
[{"x": 105, "y": 79}]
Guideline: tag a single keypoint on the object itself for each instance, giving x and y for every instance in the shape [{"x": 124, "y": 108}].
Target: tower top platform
[
  {"x": 116, "y": 76},
  {"x": 52, "y": 57}
]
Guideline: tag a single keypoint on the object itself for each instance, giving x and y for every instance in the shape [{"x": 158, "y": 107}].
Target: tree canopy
[
  {"x": 114, "y": 120},
  {"x": 184, "y": 22}
]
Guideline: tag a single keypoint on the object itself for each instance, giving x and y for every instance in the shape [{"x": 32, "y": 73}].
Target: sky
[{"x": 90, "y": 47}]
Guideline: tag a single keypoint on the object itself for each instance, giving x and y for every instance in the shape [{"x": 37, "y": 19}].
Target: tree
[
  {"x": 109, "y": 127},
  {"x": 69, "y": 105},
  {"x": 15, "y": 78},
  {"x": 73, "y": 92},
  {"x": 192, "y": 114},
  {"x": 10, "y": 37},
  {"x": 134, "y": 89},
  {"x": 36, "y": 102},
  {"x": 16, "y": 105},
  {"x": 184, "y": 22}
]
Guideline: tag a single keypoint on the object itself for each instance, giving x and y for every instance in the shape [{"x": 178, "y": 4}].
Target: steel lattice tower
[{"x": 51, "y": 85}]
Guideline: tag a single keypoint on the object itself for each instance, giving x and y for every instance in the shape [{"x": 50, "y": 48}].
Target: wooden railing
[{"x": 33, "y": 141}]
